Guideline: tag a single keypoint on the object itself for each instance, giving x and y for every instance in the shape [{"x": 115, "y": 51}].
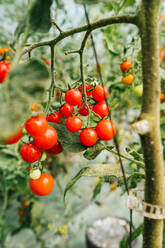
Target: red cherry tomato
[
  {"x": 14, "y": 138},
  {"x": 43, "y": 185},
  {"x": 21, "y": 213},
  {"x": 73, "y": 123},
  {"x": 47, "y": 140},
  {"x": 106, "y": 130},
  {"x": 126, "y": 65},
  {"x": 66, "y": 110},
  {"x": 36, "y": 125},
  {"x": 55, "y": 118},
  {"x": 4, "y": 70},
  {"x": 87, "y": 88},
  {"x": 73, "y": 97},
  {"x": 101, "y": 108},
  {"x": 47, "y": 61},
  {"x": 84, "y": 110},
  {"x": 100, "y": 93},
  {"x": 56, "y": 149},
  {"x": 88, "y": 137},
  {"x": 30, "y": 153}
]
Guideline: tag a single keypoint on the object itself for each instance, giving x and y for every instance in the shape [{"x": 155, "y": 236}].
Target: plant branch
[
  {"x": 93, "y": 26},
  {"x": 56, "y": 25},
  {"x": 52, "y": 85}
]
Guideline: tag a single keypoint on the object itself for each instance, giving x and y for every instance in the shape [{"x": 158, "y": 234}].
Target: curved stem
[{"x": 132, "y": 19}]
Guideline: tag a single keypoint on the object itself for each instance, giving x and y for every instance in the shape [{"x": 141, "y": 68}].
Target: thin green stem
[{"x": 141, "y": 164}]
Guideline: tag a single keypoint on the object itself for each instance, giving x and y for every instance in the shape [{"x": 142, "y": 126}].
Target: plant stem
[
  {"x": 141, "y": 164},
  {"x": 148, "y": 22}
]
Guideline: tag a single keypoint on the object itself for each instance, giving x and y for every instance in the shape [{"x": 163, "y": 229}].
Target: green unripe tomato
[
  {"x": 133, "y": 166},
  {"x": 35, "y": 174},
  {"x": 138, "y": 90}
]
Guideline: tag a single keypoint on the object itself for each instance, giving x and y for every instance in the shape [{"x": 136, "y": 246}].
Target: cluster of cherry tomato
[
  {"x": 127, "y": 78},
  {"x": 104, "y": 130}
]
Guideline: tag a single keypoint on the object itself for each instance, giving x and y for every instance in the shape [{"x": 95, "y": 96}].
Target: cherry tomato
[
  {"x": 43, "y": 185},
  {"x": 35, "y": 107},
  {"x": 73, "y": 123},
  {"x": 100, "y": 93},
  {"x": 47, "y": 140},
  {"x": 56, "y": 149},
  {"x": 21, "y": 213},
  {"x": 73, "y": 97},
  {"x": 87, "y": 88},
  {"x": 101, "y": 108},
  {"x": 36, "y": 125},
  {"x": 66, "y": 110},
  {"x": 128, "y": 79},
  {"x": 26, "y": 203},
  {"x": 35, "y": 174},
  {"x": 126, "y": 65},
  {"x": 84, "y": 110},
  {"x": 138, "y": 90},
  {"x": 14, "y": 138},
  {"x": 30, "y": 153},
  {"x": 4, "y": 70},
  {"x": 88, "y": 137},
  {"x": 106, "y": 130},
  {"x": 55, "y": 118},
  {"x": 47, "y": 61},
  {"x": 162, "y": 97}
]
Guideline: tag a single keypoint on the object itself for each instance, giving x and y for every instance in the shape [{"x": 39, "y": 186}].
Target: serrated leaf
[
  {"x": 125, "y": 242},
  {"x": 39, "y": 18},
  {"x": 97, "y": 170},
  {"x": 70, "y": 141},
  {"x": 92, "y": 152},
  {"x": 74, "y": 180},
  {"x": 134, "y": 154}
]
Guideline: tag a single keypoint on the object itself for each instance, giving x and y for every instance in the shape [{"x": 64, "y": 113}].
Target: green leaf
[
  {"x": 97, "y": 170},
  {"x": 39, "y": 18},
  {"x": 74, "y": 180},
  {"x": 125, "y": 242},
  {"x": 128, "y": 3},
  {"x": 70, "y": 141},
  {"x": 97, "y": 190},
  {"x": 134, "y": 154},
  {"x": 92, "y": 152},
  {"x": 20, "y": 29},
  {"x": 162, "y": 73}
]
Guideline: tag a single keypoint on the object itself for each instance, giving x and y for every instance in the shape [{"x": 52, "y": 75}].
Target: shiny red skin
[
  {"x": 56, "y": 149},
  {"x": 88, "y": 137},
  {"x": 43, "y": 185},
  {"x": 100, "y": 93},
  {"x": 30, "y": 153},
  {"x": 84, "y": 110},
  {"x": 126, "y": 65},
  {"x": 73, "y": 123},
  {"x": 4, "y": 70},
  {"x": 47, "y": 140},
  {"x": 36, "y": 125},
  {"x": 55, "y": 118},
  {"x": 88, "y": 89},
  {"x": 101, "y": 108},
  {"x": 106, "y": 130},
  {"x": 73, "y": 97},
  {"x": 14, "y": 138},
  {"x": 66, "y": 110}
]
